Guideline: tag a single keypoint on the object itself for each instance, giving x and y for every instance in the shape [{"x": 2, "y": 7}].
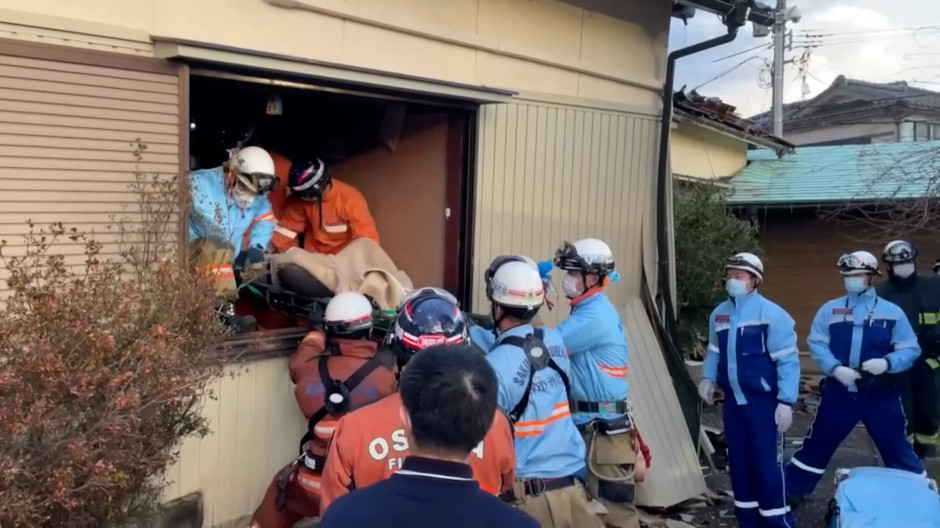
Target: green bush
[{"x": 706, "y": 234}]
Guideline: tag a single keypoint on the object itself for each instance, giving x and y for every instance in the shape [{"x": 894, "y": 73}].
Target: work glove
[
  {"x": 706, "y": 390},
  {"x": 875, "y": 367},
  {"x": 846, "y": 376},
  {"x": 783, "y": 417},
  {"x": 255, "y": 257}
]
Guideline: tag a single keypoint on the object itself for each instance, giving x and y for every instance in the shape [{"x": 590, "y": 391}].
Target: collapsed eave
[{"x": 768, "y": 141}]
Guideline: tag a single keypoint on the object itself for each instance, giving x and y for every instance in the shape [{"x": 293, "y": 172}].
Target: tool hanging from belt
[
  {"x": 336, "y": 397},
  {"x": 538, "y": 358}
]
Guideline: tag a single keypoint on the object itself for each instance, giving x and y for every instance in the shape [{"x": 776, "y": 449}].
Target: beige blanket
[{"x": 362, "y": 266}]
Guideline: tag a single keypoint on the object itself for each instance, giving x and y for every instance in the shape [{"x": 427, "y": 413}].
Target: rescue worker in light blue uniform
[
  {"x": 752, "y": 356},
  {"x": 481, "y": 332},
  {"x": 533, "y": 370},
  {"x": 596, "y": 343},
  {"x": 857, "y": 331},
  {"x": 226, "y": 203}
]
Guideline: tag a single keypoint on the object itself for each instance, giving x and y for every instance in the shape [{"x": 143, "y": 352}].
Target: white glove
[
  {"x": 876, "y": 367},
  {"x": 846, "y": 376},
  {"x": 783, "y": 417},
  {"x": 706, "y": 390}
]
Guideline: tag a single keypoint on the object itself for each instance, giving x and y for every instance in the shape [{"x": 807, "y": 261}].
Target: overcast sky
[{"x": 857, "y": 41}]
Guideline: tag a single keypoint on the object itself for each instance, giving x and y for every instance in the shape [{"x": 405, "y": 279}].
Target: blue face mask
[
  {"x": 735, "y": 287},
  {"x": 855, "y": 284}
]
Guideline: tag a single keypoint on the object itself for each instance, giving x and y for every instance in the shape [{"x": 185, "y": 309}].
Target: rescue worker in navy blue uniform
[
  {"x": 448, "y": 405},
  {"x": 858, "y": 331},
  {"x": 919, "y": 297},
  {"x": 752, "y": 356}
]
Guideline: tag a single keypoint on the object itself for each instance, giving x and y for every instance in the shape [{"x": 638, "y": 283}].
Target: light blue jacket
[
  {"x": 482, "y": 338},
  {"x": 597, "y": 345},
  {"x": 857, "y": 327},
  {"x": 752, "y": 349},
  {"x": 548, "y": 444},
  {"x": 214, "y": 212}
]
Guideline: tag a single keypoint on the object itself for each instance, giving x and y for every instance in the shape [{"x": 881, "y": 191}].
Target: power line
[
  {"x": 766, "y": 46},
  {"x": 726, "y": 72},
  {"x": 819, "y": 32}
]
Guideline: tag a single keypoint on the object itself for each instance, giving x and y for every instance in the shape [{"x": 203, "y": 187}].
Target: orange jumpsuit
[
  {"x": 369, "y": 445},
  {"x": 346, "y": 217},
  {"x": 301, "y": 484}
]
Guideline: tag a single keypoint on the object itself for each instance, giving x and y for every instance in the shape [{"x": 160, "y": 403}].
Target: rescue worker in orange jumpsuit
[
  {"x": 335, "y": 372},
  {"x": 327, "y": 212},
  {"x": 370, "y": 444}
]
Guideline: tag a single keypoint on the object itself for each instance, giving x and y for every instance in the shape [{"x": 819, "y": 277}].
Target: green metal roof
[{"x": 839, "y": 174}]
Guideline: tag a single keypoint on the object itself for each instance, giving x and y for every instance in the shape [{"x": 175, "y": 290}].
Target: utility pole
[{"x": 780, "y": 35}]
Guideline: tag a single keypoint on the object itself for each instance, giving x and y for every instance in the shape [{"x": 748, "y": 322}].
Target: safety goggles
[
  {"x": 848, "y": 263},
  {"x": 567, "y": 258},
  {"x": 257, "y": 182},
  {"x": 901, "y": 253}
]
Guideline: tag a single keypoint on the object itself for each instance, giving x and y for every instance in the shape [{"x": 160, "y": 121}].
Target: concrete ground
[{"x": 856, "y": 451}]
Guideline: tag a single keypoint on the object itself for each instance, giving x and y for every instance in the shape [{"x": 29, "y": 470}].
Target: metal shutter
[{"x": 66, "y": 128}]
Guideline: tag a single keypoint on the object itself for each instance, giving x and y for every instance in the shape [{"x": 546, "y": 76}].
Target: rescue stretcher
[
  {"x": 878, "y": 497},
  {"x": 297, "y": 295}
]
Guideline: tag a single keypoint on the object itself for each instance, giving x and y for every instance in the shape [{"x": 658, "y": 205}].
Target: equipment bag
[{"x": 877, "y": 497}]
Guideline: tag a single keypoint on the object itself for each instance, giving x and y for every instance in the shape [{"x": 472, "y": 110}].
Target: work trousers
[
  {"x": 293, "y": 495},
  {"x": 215, "y": 258},
  {"x": 839, "y": 410},
  {"x": 562, "y": 508},
  {"x": 611, "y": 460},
  {"x": 755, "y": 455},
  {"x": 920, "y": 394}
]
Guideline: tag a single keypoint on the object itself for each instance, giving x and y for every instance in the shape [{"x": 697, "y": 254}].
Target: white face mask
[
  {"x": 571, "y": 286},
  {"x": 243, "y": 198},
  {"x": 904, "y": 270},
  {"x": 855, "y": 284},
  {"x": 735, "y": 287}
]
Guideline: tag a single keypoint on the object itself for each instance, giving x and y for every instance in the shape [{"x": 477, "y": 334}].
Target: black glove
[
  {"x": 255, "y": 255},
  {"x": 481, "y": 320}
]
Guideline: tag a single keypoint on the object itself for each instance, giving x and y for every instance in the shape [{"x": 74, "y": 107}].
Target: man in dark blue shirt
[{"x": 449, "y": 400}]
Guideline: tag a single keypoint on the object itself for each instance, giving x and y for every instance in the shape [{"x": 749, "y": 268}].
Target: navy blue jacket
[{"x": 425, "y": 493}]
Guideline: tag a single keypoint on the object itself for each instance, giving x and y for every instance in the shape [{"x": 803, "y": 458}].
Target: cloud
[{"x": 856, "y": 38}]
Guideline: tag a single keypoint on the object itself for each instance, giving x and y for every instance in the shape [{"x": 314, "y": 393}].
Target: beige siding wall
[
  {"x": 255, "y": 427},
  {"x": 65, "y": 147},
  {"x": 546, "y": 174},
  {"x": 700, "y": 152},
  {"x": 880, "y": 132},
  {"x": 532, "y": 45}
]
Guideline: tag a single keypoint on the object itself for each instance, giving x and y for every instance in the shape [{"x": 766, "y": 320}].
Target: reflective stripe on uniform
[
  {"x": 267, "y": 217},
  {"x": 804, "y": 467},
  {"x": 219, "y": 271},
  {"x": 286, "y": 232},
  {"x": 928, "y": 318},
  {"x": 923, "y": 439},
  {"x": 614, "y": 372},
  {"x": 783, "y": 353},
  {"x": 536, "y": 427}
]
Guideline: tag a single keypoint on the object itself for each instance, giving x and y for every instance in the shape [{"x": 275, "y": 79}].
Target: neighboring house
[
  {"x": 523, "y": 123},
  {"x": 852, "y": 112},
  {"x": 794, "y": 201},
  {"x": 710, "y": 141}
]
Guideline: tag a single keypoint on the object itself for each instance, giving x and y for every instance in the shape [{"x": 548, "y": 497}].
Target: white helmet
[
  {"x": 254, "y": 168},
  {"x": 514, "y": 283},
  {"x": 858, "y": 263},
  {"x": 588, "y": 255},
  {"x": 347, "y": 313},
  {"x": 747, "y": 262}
]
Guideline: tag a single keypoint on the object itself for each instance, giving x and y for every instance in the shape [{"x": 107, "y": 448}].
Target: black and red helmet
[
  {"x": 308, "y": 179},
  {"x": 427, "y": 318}
]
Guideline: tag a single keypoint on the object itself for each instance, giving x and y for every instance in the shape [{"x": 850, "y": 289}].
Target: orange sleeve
[
  {"x": 360, "y": 219},
  {"x": 337, "y": 474},
  {"x": 290, "y": 225},
  {"x": 312, "y": 346},
  {"x": 507, "y": 453}
]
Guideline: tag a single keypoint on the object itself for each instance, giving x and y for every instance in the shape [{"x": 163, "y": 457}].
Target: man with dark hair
[{"x": 448, "y": 398}]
